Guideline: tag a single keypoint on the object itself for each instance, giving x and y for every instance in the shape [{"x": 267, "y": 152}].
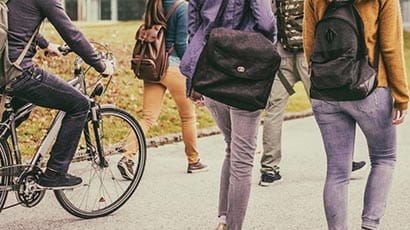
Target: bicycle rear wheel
[
  {"x": 5, "y": 179},
  {"x": 104, "y": 188}
]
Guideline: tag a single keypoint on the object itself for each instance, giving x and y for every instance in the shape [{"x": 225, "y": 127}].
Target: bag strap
[
  {"x": 285, "y": 83},
  {"x": 169, "y": 14},
  {"x": 25, "y": 50},
  {"x": 221, "y": 11},
  {"x": 173, "y": 8}
]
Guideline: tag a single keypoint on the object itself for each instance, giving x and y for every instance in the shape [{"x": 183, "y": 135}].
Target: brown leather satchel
[{"x": 150, "y": 57}]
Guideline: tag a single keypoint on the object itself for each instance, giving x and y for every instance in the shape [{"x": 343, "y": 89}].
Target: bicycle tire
[
  {"x": 4, "y": 162},
  {"x": 82, "y": 211}
]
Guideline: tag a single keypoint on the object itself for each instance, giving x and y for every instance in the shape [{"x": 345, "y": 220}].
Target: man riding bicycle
[{"x": 47, "y": 90}]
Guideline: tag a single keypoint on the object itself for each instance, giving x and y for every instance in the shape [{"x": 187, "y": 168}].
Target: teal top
[{"x": 177, "y": 31}]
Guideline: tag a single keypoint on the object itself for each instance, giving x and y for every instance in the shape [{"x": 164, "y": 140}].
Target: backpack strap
[
  {"x": 173, "y": 8},
  {"x": 169, "y": 13},
  {"x": 285, "y": 83},
  {"x": 23, "y": 54}
]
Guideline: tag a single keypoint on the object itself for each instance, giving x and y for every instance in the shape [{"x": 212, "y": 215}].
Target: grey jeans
[
  {"x": 240, "y": 129},
  {"x": 294, "y": 69},
  {"x": 337, "y": 122}
]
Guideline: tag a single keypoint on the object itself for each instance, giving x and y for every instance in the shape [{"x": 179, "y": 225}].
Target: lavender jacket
[{"x": 251, "y": 15}]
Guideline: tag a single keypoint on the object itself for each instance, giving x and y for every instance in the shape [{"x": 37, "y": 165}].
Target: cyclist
[{"x": 47, "y": 90}]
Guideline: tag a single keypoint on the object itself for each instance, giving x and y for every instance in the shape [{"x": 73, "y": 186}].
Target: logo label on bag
[{"x": 241, "y": 69}]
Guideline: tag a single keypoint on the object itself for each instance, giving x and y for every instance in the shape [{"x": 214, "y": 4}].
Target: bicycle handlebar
[{"x": 65, "y": 50}]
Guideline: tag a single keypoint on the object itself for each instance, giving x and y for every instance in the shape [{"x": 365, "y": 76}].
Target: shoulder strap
[
  {"x": 173, "y": 8},
  {"x": 23, "y": 54},
  {"x": 221, "y": 11},
  {"x": 285, "y": 83}
]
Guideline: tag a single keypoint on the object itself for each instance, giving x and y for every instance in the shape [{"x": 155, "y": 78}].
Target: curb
[{"x": 177, "y": 137}]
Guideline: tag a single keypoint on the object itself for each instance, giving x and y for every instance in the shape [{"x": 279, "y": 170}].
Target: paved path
[{"x": 170, "y": 199}]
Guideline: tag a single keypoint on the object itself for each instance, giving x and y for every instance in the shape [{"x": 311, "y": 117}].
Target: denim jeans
[
  {"x": 337, "y": 122},
  {"x": 46, "y": 90},
  {"x": 239, "y": 128}
]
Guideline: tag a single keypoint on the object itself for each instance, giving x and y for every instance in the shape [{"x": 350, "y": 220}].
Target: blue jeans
[
  {"x": 46, "y": 90},
  {"x": 337, "y": 122},
  {"x": 240, "y": 129}
]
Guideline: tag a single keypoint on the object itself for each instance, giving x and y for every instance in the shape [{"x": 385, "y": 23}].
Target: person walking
[
  {"x": 154, "y": 92},
  {"x": 293, "y": 68},
  {"x": 377, "y": 115},
  {"x": 238, "y": 126}
]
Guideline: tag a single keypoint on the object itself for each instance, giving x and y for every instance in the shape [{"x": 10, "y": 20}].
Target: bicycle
[{"x": 104, "y": 139}]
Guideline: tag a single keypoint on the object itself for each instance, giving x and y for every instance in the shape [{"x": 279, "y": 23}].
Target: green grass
[
  {"x": 125, "y": 90},
  {"x": 407, "y": 53}
]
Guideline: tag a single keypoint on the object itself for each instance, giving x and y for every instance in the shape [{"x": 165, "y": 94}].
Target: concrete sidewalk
[{"x": 168, "y": 198}]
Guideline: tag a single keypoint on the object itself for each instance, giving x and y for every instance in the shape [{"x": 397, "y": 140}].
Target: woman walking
[
  {"x": 376, "y": 115},
  {"x": 238, "y": 126},
  {"x": 154, "y": 92}
]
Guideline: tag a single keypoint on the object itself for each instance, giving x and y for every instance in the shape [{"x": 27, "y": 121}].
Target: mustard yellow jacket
[{"x": 380, "y": 17}]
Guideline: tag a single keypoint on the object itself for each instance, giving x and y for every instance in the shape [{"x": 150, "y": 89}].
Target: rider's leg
[{"x": 46, "y": 90}]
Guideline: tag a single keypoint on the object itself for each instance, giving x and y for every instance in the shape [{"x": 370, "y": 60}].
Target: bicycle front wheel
[{"x": 120, "y": 140}]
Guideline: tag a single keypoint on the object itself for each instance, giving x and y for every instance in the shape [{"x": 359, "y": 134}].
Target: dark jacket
[
  {"x": 25, "y": 15},
  {"x": 251, "y": 15}
]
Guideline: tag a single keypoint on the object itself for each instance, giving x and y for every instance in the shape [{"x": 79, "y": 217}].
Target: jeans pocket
[
  {"x": 316, "y": 104},
  {"x": 21, "y": 81},
  {"x": 211, "y": 106},
  {"x": 323, "y": 106},
  {"x": 37, "y": 75},
  {"x": 371, "y": 102}
]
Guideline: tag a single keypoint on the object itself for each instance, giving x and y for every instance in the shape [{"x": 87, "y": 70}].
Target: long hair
[{"x": 154, "y": 14}]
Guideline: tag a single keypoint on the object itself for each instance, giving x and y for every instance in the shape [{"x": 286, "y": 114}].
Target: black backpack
[{"x": 340, "y": 65}]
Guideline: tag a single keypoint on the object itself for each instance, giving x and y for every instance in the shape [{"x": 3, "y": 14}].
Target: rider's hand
[
  {"x": 398, "y": 116},
  {"x": 196, "y": 98},
  {"x": 52, "y": 50},
  {"x": 109, "y": 68}
]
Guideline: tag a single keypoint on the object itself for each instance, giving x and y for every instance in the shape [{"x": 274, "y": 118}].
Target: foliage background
[{"x": 125, "y": 90}]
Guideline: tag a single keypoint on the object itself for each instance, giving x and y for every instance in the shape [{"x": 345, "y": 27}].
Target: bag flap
[
  {"x": 242, "y": 54},
  {"x": 148, "y": 35}
]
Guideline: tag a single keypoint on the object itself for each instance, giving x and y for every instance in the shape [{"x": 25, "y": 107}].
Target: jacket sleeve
[
  {"x": 391, "y": 49},
  {"x": 42, "y": 42},
  {"x": 194, "y": 17},
  {"x": 266, "y": 22},
  {"x": 181, "y": 30},
  {"x": 309, "y": 23},
  {"x": 54, "y": 12}
]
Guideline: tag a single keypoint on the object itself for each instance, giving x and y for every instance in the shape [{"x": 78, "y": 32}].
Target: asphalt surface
[{"x": 168, "y": 198}]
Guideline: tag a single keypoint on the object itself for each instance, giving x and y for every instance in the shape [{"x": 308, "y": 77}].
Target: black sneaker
[
  {"x": 125, "y": 166},
  {"x": 59, "y": 181},
  {"x": 358, "y": 165},
  {"x": 270, "y": 178}
]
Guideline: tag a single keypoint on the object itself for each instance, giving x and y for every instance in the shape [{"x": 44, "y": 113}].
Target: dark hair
[{"x": 154, "y": 13}]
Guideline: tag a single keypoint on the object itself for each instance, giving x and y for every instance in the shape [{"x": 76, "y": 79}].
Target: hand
[
  {"x": 398, "y": 116},
  {"x": 196, "y": 98},
  {"x": 52, "y": 50},
  {"x": 109, "y": 68}
]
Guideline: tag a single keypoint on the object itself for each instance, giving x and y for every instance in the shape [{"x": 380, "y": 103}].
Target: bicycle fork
[{"x": 96, "y": 123}]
